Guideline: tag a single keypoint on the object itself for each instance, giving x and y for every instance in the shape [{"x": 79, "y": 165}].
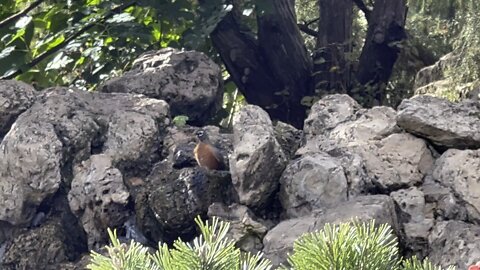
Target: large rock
[
  {"x": 15, "y": 98},
  {"x": 279, "y": 241},
  {"x": 372, "y": 124},
  {"x": 337, "y": 121},
  {"x": 458, "y": 170},
  {"x": 373, "y": 152},
  {"x": 189, "y": 81},
  {"x": 246, "y": 229},
  {"x": 398, "y": 161},
  {"x": 175, "y": 197},
  {"x": 447, "y": 124},
  {"x": 411, "y": 203},
  {"x": 311, "y": 182},
  {"x": 98, "y": 197},
  {"x": 329, "y": 112},
  {"x": 440, "y": 201},
  {"x": 39, "y": 248},
  {"x": 435, "y": 72},
  {"x": 289, "y": 138},
  {"x": 454, "y": 243},
  {"x": 412, "y": 216},
  {"x": 62, "y": 129},
  {"x": 257, "y": 160}
]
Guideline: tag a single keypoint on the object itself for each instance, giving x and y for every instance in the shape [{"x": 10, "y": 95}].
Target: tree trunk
[
  {"x": 272, "y": 71},
  {"x": 386, "y": 28},
  {"x": 331, "y": 69}
]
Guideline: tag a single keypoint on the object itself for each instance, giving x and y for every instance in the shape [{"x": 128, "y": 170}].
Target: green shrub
[
  {"x": 212, "y": 250},
  {"x": 346, "y": 246},
  {"x": 353, "y": 245}
]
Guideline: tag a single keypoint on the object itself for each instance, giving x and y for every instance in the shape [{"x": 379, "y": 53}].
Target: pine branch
[
  {"x": 19, "y": 14},
  {"x": 55, "y": 49}
]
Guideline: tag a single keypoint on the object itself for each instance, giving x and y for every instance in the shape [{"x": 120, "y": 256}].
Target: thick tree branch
[
  {"x": 363, "y": 7},
  {"x": 305, "y": 29},
  {"x": 19, "y": 14},
  {"x": 273, "y": 71},
  {"x": 55, "y": 49},
  {"x": 386, "y": 29}
]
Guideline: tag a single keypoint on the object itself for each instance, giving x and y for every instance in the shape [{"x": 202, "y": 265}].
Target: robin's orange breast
[{"x": 208, "y": 156}]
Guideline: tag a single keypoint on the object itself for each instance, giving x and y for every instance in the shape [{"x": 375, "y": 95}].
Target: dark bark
[
  {"x": 363, "y": 7},
  {"x": 331, "y": 68},
  {"x": 271, "y": 71},
  {"x": 386, "y": 28}
]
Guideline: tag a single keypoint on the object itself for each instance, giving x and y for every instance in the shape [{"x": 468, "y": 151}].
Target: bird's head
[{"x": 201, "y": 135}]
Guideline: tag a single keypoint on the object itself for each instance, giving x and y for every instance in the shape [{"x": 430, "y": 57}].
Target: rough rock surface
[
  {"x": 328, "y": 113},
  {"x": 15, "y": 98},
  {"x": 412, "y": 215},
  {"x": 411, "y": 202},
  {"x": 441, "y": 203},
  {"x": 458, "y": 170},
  {"x": 175, "y": 197},
  {"x": 245, "y": 228},
  {"x": 447, "y": 124},
  {"x": 64, "y": 127},
  {"x": 435, "y": 72},
  {"x": 311, "y": 182},
  {"x": 98, "y": 183},
  {"x": 39, "y": 248},
  {"x": 454, "y": 243},
  {"x": 400, "y": 160},
  {"x": 372, "y": 124},
  {"x": 279, "y": 241},
  {"x": 189, "y": 81},
  {"x": 374, "y": 154},
  {"x": 288, "y": 137},
  {"x": 257, "y": 160}
]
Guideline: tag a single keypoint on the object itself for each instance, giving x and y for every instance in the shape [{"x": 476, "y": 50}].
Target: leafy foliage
[{"x": 85, "y": 42}]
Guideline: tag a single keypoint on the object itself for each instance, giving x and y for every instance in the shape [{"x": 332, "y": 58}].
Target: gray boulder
[
  {"x": 458, "y": 170},
  {"x": 440, "y": 201},
  {"x": 446, "y": 124},
  {"x": 246, "y": 229},
  {"x": 189, "y": 81},
  {"x": 454, "y": 243},
  {"x": 289, "y": 138},
  {"x": 311, "y": 182},
  {"x": 329, "y": 112},
  {"x": 279, "y": 241},
  {"x": 173, "y": 198},
  {"x": 411, "y": 203},
  {"x": 98, "y": 183},
  {"x": 258, "y": 160},
  {"x": 40, "y": 248},
  {"x": 62, "y": 129},
  {"x": 397, "y": 161},
  {"x": 15, "y": 98}
]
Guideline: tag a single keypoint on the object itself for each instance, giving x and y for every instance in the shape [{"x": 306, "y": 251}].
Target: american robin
[{"x": 207, "y": 155}]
